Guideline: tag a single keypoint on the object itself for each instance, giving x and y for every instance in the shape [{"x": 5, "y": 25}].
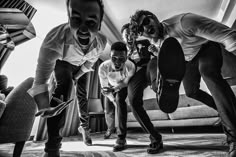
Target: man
[
  {"x": 141, "y": 53},
  {"x": 69, "y": 51},
  {"x": 144, "y": 76},
  {"x": 114, "y": 75},
  {"x": 200, "y": 38}
]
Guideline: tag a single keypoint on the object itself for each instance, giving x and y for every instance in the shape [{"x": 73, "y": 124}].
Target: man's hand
[
  {"x": 53, "y": 111},
  {"x": 153, "y": 49},
  {"x": 77, "y": 75},
  {"x": 107, "y": 90}
]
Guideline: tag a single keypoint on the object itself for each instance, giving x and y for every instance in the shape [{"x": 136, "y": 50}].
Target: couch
[
  {"x": 17, "y": 117},
  {"x": 190, "y": 112}
]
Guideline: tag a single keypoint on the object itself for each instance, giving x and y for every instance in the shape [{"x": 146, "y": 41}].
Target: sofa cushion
[
  {"x": 201, "y": 111},
  {"x": 153, "y": 115},
  {"x": 148, "y": 104},
  {"x": 185, "y": 101}
]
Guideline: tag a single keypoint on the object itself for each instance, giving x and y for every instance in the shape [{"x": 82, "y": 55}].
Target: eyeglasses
[{"x": 118, "y": 59}]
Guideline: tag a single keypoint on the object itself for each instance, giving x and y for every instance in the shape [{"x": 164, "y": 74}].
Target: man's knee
[{"x": 209, "y": 71}]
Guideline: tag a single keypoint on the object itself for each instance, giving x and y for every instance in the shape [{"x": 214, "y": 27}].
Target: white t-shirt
[
  {"x": 193, "y": 30},
  {"x": 109, "y": 77}
]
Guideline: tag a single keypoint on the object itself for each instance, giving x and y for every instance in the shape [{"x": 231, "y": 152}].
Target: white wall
[{"x": 22, "y": 61}]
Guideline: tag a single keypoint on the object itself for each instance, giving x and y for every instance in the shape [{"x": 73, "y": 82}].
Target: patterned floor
[{"x": 175, "y": 145}]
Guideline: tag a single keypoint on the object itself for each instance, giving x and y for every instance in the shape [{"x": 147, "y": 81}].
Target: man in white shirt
[
  {"x": 69, "y": 51},
  {"x": 200, "y": 39},
  {"x": 114, "y": 75}
]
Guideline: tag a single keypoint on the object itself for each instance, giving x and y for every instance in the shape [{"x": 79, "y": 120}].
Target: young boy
[{"x": 69, "y": 51}]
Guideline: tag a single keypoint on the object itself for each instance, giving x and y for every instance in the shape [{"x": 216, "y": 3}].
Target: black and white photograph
[{"x": 117, "y": 78}]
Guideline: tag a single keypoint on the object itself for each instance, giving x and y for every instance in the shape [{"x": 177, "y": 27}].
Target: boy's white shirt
[{"x": 108, "y": 77}]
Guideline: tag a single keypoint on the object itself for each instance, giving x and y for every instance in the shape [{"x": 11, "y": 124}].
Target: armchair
[{"x": 18, "y": 117}]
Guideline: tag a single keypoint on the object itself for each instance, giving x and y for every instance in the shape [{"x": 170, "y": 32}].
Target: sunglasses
[
  {"x": 146, "y": 21},
  {"x": 118, "y": 59}
]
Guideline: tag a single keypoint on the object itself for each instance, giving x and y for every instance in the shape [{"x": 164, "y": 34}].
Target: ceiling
[{"x": 119, "y": 11}]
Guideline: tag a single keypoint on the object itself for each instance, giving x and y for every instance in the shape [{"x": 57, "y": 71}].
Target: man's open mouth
[
  {"x": 117, "y": 67},
  {"x": 83, "y": 41}
]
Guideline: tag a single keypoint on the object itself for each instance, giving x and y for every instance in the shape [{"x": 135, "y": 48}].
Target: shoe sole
[
  {"x": 172, "y": 69},
  {"x": 121, "y": 149}
]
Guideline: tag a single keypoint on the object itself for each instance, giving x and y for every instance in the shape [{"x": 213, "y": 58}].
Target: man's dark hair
[
  {"x": 119, "y": 46},
  {"x": 134, "y": 20},
  {"x": 139, "y": 13},
  {"x": 100, "y": 3},
  {"x": 125, "y": 26}
]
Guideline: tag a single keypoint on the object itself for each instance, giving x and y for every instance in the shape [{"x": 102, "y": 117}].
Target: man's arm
[
  {"x": 103, "y": 76},
  {"x": 39, "y": 91},
  {"x": 210, "y": 29},
  {"x": 86, "y": 67},
  {"x": 106, "y": 89},
  {"x": 124, "y": 83},
  {"x": 46, "y": 63}
]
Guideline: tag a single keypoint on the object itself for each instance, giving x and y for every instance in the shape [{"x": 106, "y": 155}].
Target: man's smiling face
[
  {"x": 149, "y": 27},
  {"x": 84, "y": 20},
  {"x": 118, "y": 59}
]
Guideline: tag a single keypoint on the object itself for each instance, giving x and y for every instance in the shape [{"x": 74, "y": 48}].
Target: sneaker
[
  {"x": 86, "y": 136},
  {"x": 171, "y": 64},
  {"x": 155, "y": 147},
  {"x": 232, "y": 149},
  {"x": 120, "y": 145},
  {"x": 108, "y": 133}
]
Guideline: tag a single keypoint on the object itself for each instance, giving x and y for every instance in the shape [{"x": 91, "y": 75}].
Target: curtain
[{"x": 72, "y": 119}]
